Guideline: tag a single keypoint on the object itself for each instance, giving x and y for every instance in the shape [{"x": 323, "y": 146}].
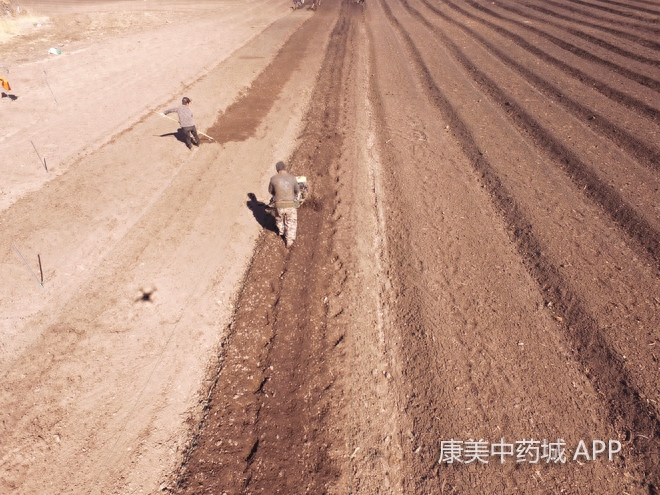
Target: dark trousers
[{"x": 187, "y": 131}]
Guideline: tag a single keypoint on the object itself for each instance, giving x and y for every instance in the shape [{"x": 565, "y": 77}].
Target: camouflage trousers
[{"x": 286, "y": 220}]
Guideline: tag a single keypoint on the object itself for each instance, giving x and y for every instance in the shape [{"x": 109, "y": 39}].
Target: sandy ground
[
  {"x": 478, "y": 262},
  {"x": 115, "y": 383}
]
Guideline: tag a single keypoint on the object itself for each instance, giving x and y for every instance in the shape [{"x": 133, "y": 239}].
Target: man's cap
[
  {"x": 186, "y": 100},
  {"x": 280, "y": 166}
]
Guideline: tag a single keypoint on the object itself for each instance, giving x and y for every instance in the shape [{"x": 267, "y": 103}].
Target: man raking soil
[{"x": 188, "y": 128}]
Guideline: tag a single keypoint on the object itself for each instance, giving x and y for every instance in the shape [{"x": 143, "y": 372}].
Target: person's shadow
[
  {"x": 178, "y": 135},
  {"x": 261, "y": 212}
]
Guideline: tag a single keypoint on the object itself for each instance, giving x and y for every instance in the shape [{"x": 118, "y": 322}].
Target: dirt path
[
  {"x": 478, "y": 264},
  {"x": 143, "y": 245}
]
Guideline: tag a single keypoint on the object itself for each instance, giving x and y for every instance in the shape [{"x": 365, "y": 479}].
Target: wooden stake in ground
[
  {"x": 51, "y": 91},
  {"x": 28, "y": 266},
  {"x": 41, "y": 270},
  {"x": 198, "y": 132},
  {"x": 43, "y": 161}
]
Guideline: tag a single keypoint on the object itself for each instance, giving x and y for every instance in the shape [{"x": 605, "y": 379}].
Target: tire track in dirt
[
  {"x": 645, "y": 153},
  {"x": 590, "y": 16},
  {"x": 268, "y": 423},
  {"x": 607, "y": 371},
  {"x": 646, "y": 239},
  {"x": 374, "y": 396}
]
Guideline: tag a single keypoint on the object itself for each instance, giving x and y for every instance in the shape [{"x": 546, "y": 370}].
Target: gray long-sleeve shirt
[{"x": 185, "y": 115}]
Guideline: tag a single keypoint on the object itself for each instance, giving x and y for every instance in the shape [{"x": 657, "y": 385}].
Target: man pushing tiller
[{"x": 289, "y": 192}]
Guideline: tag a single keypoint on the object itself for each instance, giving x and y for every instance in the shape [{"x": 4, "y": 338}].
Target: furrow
[
  {"x": 643, "y": 152},
  {"x": 607, "y": 371},
  {"x": 642, "y": 79},
  {"x": 631, "y": 5},
  {"x": 575, "y": 15},
  {"x": 622, "y": 13},
  {"x": 577, "y": 31},
  {"x": 646, "y": 239}
]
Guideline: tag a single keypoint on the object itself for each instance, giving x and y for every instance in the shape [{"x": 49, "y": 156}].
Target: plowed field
[{"x": 472, "y": 302}]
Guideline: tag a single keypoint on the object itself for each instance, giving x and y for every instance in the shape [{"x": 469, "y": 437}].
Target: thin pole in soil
[
  {"x": 28, "y": 266},
  {"x": 51, "y": 90},
  {"x": 41, "y": 270},
  {"x": 42, "y": 161}
]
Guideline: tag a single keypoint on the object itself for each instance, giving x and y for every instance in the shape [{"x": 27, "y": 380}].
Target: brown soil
[{"x": 479, "y": 258}]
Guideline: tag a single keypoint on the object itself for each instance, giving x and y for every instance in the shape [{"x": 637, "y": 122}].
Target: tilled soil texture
[
  {"x": 496, "y": 163},
  {"x": 271, "y": 424},
  {"x": 143, "y": 243},
  {"x": 475, "y": 274},
  {"x": 526, "y": 236}
]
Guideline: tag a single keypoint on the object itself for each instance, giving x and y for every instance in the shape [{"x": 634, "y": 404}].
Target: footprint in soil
[{"x": 261, "y": 212}]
